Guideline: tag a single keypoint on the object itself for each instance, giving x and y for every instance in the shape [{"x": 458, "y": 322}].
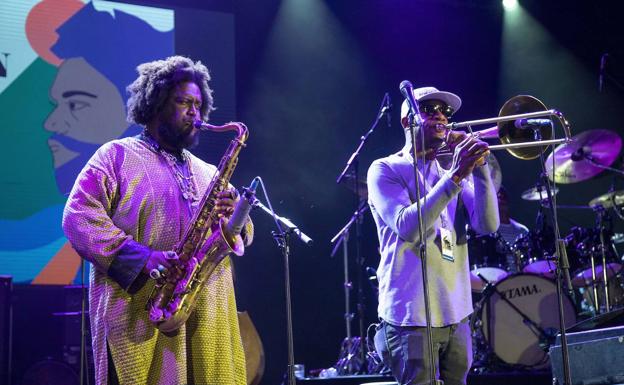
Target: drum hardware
[
  {"x": 595, "y": 245},
  {"x": 487, "y": 258},
  {"x": 584, "y": 156},
  {"x": 535, "y": 250}
]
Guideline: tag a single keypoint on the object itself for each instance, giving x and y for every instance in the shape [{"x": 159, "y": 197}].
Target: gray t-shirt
[{"x": 392, "y": 197}]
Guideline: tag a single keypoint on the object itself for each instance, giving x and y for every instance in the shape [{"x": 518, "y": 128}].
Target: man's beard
[{"x": 178, "y": 139}]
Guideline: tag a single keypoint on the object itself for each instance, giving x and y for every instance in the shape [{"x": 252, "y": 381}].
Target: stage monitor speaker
[
  {"x": 5, "y": 328},
  {"x": 595, "y": 357}
]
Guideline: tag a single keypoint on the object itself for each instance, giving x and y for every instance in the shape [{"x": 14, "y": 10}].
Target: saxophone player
[{"x": 128, "y": 208}]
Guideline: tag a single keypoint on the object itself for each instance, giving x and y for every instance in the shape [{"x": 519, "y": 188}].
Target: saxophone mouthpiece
[{"x": 201, "y": 125}]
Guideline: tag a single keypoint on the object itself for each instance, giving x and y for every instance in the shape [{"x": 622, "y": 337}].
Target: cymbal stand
[
  {"x": 593, "y": 284},
  {"x": 349, "y": 361},
  {"x": 563, "y": 267},
  {"x": 581, "y": 153},
  {"x": 602, "y": 218},
  {"x": 353, "y": 164}
]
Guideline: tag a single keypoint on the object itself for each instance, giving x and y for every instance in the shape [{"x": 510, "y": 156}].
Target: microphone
[
  {"x": 408, "y": 93},
  {"x": 387, "y": 107},
  {"x": 603, "y": 65},
  {"x": 531, "y": 123},
  {"x": 243, "y": 207}
]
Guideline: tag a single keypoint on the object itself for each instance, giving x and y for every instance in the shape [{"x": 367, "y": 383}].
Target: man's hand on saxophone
[
  {"x": 226, "y": 201},
  {"x": 166, "y": 264},
  {"x": 163, "y": 264}
]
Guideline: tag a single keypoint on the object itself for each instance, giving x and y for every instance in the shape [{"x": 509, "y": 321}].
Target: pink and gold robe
[{"x": 125, "y": 203}]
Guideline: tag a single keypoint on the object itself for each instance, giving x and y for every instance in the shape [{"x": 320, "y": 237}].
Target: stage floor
[{"x": 516, "y": 378}]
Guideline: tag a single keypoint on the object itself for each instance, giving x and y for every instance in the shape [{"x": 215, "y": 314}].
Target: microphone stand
[
  {"x": 563, "y": 267},
  {"x": 353, "y": 162},
  {"x": 345, "y": 363},
  {"x": 282, "y": 237},
  {"x": 414, "y": 120}
]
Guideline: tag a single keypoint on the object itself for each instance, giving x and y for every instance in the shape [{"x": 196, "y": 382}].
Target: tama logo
[{"x": 520, "y": 291}]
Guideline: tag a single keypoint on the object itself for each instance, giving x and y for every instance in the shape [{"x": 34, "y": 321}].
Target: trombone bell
[{"x": 508, "y": 133}]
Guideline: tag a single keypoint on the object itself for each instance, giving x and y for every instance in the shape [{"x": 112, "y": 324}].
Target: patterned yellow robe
[{"x": 126, "y": 202}]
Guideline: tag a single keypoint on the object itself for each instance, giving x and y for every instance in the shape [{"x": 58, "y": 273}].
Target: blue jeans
[{"x": 404, "y": 350}]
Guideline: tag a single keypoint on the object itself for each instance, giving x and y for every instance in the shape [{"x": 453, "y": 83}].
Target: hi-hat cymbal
[
  {"x": 574, "y": 161},
  {"x": 608, "y": 200},
  {"x": 537, "y": 194}
]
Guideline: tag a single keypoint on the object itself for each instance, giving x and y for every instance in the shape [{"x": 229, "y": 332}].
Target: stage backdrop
[{"x": 65, "y": 68}]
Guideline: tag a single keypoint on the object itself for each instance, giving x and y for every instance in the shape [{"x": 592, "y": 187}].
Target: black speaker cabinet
[
  {"x": 5, "y": 329},
  {"x": 595, "y": 357}
]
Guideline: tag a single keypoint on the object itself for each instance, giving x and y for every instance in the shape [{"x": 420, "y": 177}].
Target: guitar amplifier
[{"x": 595, "y": 357}]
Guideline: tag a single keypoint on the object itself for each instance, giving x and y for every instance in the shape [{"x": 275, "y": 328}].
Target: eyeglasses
[{"x": 432, "y": 108}]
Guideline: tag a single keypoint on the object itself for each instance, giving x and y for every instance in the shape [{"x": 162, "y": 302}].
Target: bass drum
[{"x": 512, "y": 339}]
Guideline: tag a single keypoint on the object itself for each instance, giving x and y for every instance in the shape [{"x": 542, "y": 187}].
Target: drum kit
[{"x": 513, "y": 283}]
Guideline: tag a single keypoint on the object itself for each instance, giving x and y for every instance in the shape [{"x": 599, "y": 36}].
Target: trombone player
[{"x": 457, "y": 190}]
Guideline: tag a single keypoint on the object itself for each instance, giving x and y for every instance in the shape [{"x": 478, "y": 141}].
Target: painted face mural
[
  {"x": 89, "y": 112},
  {"x": 65, "y": 90}
]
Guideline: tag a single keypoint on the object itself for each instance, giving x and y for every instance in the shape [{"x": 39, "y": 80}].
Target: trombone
[{"x": 522, "y": 142}]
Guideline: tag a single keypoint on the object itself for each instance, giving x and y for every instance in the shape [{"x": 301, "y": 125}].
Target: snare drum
[
  {"x": 510, "y": 338},
  {"x": 487, "y": 257}
]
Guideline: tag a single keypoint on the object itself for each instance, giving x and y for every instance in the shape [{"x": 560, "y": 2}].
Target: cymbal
[
  {"x": 609, "y": 199},
  {"x": 573, "y": 160},
  {"x": 618, "y": 238},
  {"x": 535, "y": 194},
  {"x": 362, "y": 187},
  {"x": 495, "y": 171}
]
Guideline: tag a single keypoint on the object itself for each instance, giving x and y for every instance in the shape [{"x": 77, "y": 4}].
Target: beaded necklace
[{"x": 181, "y": 169}]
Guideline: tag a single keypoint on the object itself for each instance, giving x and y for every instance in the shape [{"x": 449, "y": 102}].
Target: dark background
[{"x": 309, "y": 78}]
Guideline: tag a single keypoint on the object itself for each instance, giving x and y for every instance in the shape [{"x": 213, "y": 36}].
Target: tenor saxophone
[{"x": 206, "y": 242}]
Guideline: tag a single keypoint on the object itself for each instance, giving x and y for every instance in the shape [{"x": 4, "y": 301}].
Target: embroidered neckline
[{"x": 181, "y": 169}]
